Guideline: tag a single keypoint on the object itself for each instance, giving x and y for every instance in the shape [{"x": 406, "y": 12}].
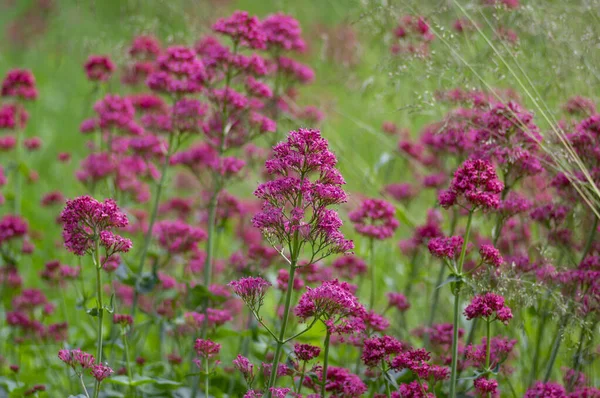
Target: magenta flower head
[
  {"x": 101, "y": 372},
  {"x": 486, "y": 386},
  {"x": 490, "y": 255},
  {"x": 329, "y": 302},
  {"x": 306, "y": 352},
  {"x": 475, "y": 185},
  {"x": 377, "y": 349},
  {"x": 12, "y": 227},
  {"x": 246, "y": 367},
  {"x": 549, "y": 389},
  {"x": 487, "y": 305},
  {"x": 446, "y": 247},
  {"x": 206, "y": 348},
  {"x": 251, "y": 290},
  {"x": 375, "y": 218},
  {"x": 77, "y": 359},
  {"x": 19, "y": 83},
  {"x": 283, "y": 32},
  {"x": 85, "y": 219},
  {"x": 296, "y": 208},
  {"x": 99, "y": 68},
  {"x": 179, "y": 71},
  {"x": 242, "y": 29},
  {"x": 177, "y": 237}
]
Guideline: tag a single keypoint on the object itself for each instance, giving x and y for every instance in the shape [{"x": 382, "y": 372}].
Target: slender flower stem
[
  {"x": 488, "y": 344},
  {"x": 325, "y": 363},
  {"x": 18, "y": 176},
  {"x": 372, "y": 269},
  {"x": 128, "y": 362},
  {"x": 148, "y": 236},
  {"x": 388, "y": 392},
  {"x": 412, "y": 275},
  {"x": 284, "y": 321},
  {"x": 85, "y": 391},
  {"x": 555, "y": 347},
  {"x": 299, "y": 389},
  {"x": 100, "y": 309},
  {"x": 436, "y": 294},
  {"x": 538, "y": 342},
  {"x": 212, "y": 214},
  {"x": 207, "y": 381},
  {"x": 454, "y": 367}
]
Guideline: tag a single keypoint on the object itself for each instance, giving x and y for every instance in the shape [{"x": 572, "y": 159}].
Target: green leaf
[
  {"x": 146, "y": 282},
  {"x": 124, "y": 275},
  {"x": 450, "y": 279},
  {"x": 92, "y": 311},
  {"x": 141, "y": 380},
  {"x": 199, "y": 293}
]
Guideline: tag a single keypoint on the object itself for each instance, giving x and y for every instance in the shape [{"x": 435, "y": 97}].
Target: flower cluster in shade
[
  {"x": 80, "y": 361},
  {"x": 475, "y": 185},
  {"x": 87, "y": 221},
  {"x": 20, "y": 84},
  {"x": 251, "y": 290},
  {"x": 296, "y": 208},
  {"x": 332, "y": 301},
  {"x": 488, "y": 305},
  {"x": 375, "y": 219}
]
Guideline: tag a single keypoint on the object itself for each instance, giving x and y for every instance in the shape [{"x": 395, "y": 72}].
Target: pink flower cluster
[
  {"x": 375, "y": 218},
  {"x": 85, "y": 221},
  {"x": 293, "y": 205},
  {"x": 486, "y": 305},
  {"x": 251, "y": 290},
  {"x": 475, "y": 185}
]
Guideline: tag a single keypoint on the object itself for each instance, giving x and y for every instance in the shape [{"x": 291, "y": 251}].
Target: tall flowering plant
[
  {"x": 296, "y": 217},
  {"x": 88, "y": 227}
]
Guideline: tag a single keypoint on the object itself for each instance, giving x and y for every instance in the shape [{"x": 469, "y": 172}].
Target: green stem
[
  {"x": 284, "y": 321},
  {"x": 325, "y": 363},
  {"x": 301, "y": 378},
  {"x": 436, "y": 294},
  {"x": 454, "y": 367},
  {"x": 412, "y": 275},
  {"x": 388, "y": 392},
  {"x": 212, "y": 214},
  {"x": 18, "y": 176},
  {"x": 148, "y": 236},
  {"x": 555, "y": 348},
  {"x": 128, "y": 363},
  {"x": 100, "y": 310},
  {"x": 207, "y": 381},
  {"x": 538, "y": 343},
  {"x": 453, "y": 373},
  {"x": 488, "y": 345},
  {"x": 372, "y": 269},
  {"x": 85, "y": 391}
]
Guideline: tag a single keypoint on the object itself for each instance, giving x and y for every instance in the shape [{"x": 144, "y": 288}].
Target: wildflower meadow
[{"x": 343, "y": 198}]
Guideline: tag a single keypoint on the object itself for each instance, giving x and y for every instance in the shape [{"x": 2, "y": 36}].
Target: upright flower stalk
[
  {"x": 374, "y": 219},
  {"x": 295, "y": 217},
  {"x": 475, "y": 186},
  {"x": 87, "y": 227}
]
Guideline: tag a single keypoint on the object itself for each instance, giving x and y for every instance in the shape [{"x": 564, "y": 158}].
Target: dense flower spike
[
  {"x": 475, "y": 185},
  {"x": 283, "y": 32},
  {"x": 19, "y": 83},
  {"x": 177, "y": 237},
  {"x": 448, "y": 248},
  {"x": 243, "y": 29},
  {"x": 292, "y": 204},
  {"x": 331, "y": 301},
  {"x": 486, "y": 305},
  {"x": 375, "y": 218},
  {"x": 179, "y": 71},
  {"x": 99, "y": 68},
  {"x": 306, "y": 352},
  {"x": 251, "y": 290},
  {"x": 84, "y": 219}
]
